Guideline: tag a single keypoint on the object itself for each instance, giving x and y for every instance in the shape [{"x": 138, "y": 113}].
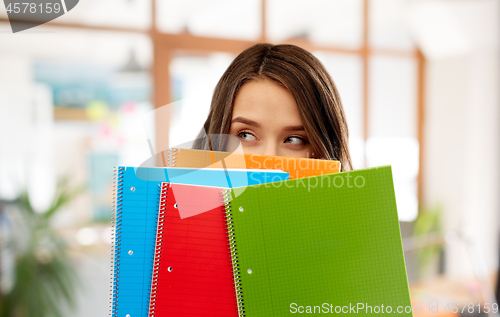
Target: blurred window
[
  {"x": 389, "y": 28},
  {"x": 393, "y": 127},
  {"x": 347, "y": 73},
  {"x": 240, "y": 19},
  {"x": 324, "y": 22},
  {"x": 135, "y": 14},
  {"x": 193, "y": 81},
  {"x": 392, "y": 97}
]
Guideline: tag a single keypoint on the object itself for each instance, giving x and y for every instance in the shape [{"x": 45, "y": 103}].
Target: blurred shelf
[
  {"x": 70, "y": 114},
  {"x": 77, "y": 25}
]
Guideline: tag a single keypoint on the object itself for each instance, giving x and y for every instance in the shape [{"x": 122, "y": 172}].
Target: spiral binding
[
  {"x": 158, "y": 246},
  {"x": 233, "y": 251},
  {"x": 116, "y": 215},
  {"x": 172, "y": 157}
]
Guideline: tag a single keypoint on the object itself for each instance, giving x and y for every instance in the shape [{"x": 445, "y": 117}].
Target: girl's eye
[
  {"x": 295, "y": 140},
  {"x": 247, "y": 136}
]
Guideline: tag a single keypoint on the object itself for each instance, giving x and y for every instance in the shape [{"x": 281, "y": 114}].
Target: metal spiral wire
[
  {"x": 233, "y": 251},
  {"x": 116, "y": 215},
  {"x": 172, "y": 158},
  {"x": 158, "y": 247}
]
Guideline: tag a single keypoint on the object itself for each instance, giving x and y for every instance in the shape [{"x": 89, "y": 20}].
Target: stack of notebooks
[{"x": 253, "y": 235}]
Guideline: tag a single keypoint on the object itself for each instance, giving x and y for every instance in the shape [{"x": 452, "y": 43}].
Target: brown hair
[{"x": 305, "y": 77}]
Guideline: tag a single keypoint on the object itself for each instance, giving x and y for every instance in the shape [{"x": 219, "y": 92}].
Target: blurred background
[{"x": 419, "y": 81}]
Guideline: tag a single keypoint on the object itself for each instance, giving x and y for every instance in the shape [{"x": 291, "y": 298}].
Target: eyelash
[
  {"x": 298, "y": 137},
  {"x": 245, "y": 131},
  {"x": 291, "y": 136}
]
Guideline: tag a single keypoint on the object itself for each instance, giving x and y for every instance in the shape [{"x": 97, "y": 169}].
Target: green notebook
[{"x": 324, "y": 244}]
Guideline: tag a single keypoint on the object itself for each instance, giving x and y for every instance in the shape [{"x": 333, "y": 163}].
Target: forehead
[{"x": 266, "y": 101}]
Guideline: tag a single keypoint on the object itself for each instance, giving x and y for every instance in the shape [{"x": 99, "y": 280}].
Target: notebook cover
[
  {"x": 309, "y": 243},
  {"x": 193, "y": 272},
  {"x": 136, "y": 206},
  {"x": 296, "y": 167}
]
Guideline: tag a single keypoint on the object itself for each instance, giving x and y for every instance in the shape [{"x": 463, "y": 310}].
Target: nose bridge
[{"x": 271, "y": 147}]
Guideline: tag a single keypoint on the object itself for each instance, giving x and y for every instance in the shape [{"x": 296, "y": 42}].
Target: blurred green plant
[
  {"x": 428, "y": 225},
  {"x": 44, "y": 280}
]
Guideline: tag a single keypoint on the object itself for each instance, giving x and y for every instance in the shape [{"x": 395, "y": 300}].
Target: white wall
[{"x": 462, "y": 125}]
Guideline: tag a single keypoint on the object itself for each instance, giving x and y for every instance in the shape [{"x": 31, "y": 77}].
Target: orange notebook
[{"x": 296, "y": 167}]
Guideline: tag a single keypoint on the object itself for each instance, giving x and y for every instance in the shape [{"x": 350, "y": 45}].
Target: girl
[{"x": 278, "y": 100}]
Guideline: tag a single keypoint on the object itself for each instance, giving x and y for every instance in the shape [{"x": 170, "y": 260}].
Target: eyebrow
[
  {"x": 294, "y": 128},
  {"x": 246, "y": 121},
  {"x": 257, "y": 125}
]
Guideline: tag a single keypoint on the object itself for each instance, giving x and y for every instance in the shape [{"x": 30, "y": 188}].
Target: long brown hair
[{"x": 305, "y": 77}]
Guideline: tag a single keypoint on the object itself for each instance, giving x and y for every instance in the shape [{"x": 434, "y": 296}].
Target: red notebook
[{"x": 192, "y": 271}]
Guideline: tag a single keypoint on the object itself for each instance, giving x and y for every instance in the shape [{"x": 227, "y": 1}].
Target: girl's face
[{"x": 266, "y": 119}]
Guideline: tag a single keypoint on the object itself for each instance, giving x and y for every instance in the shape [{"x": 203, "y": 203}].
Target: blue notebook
[{"x": 136, "y": 207}]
